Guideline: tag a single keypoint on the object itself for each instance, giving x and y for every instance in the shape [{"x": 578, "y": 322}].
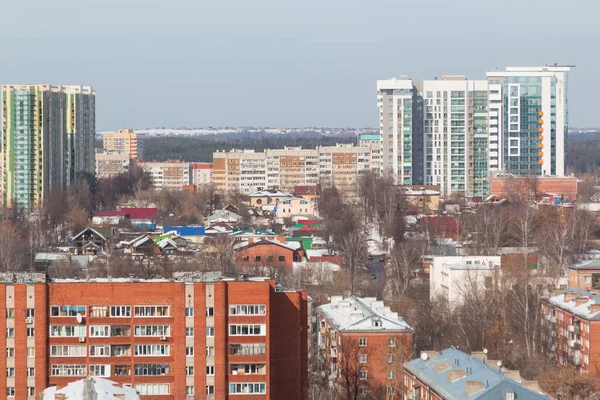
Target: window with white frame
[
  {"x": 247, "y": 330},
  {"x": 391, "y": 374},
  {"x": 67, "y": 311},
  {"x": 30, "y": 352},
  {"x": 210, "y": 331},
  {"x": 10, "y": 391},
  {"x": 189, "y": 390},
  {"x": 68, "y": 370},
  {"x": 30, "y": 313},
  {"x": 67, "y": 330},
  {"x": 151, "y": 311},
  {"x": 189, "y": 332},
  {"x": 210, "y": 389},
  {"x": 151, "y": 350},
  {"x": 10, "y": 352},
  {"x": 210, "y": 311},
  {"x": 10, "y": 332},
  {"x": 120, "y": 311},
  {"x": 30, "y": 391},
  {"x": 152, "y": 330},
  {"x": 151, "y": 369},
  {"x": 99, "y": 330},
  {"x": 362, "y": 342},
  {"x": 391, "y": 358},
  {"x": 362, "y": 375},
  {"x": 248, "y": 369},
  {"x": 247, "y": 388},
  {"x": 189, "y": 370},
  {"x": 99, "y": 311},
  {"x": 10, "y": 372},
  {"x": 100, "y": 370},
  {"x": 100, "y": 351},
  {"x": 67, "y": 351},
  {"x": 362, "y": 358},
  {"x": 189, "y": 351},
  {"x": 247, "y": 309},
  {"x": 392, "y": 342},
  {"x": 30, "y": 332},
  {"x": 30, "y": 371},
  {"x": 148, "y": 389},
  {"x": 189, "y": 311},
  {"x": 210, "y": 370},
  {"x": 210, "y": 351}
]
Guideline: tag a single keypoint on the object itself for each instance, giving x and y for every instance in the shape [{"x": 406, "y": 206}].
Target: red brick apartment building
[
  {"x": 571, "y": 328},
  {"x": 198, "y": 336},
  {"x": 363, "y": 341}
]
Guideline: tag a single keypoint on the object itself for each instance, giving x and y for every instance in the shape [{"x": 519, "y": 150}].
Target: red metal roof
[
  {"x": 303, "y": 190},
  {"x": 130, "y": 212}
]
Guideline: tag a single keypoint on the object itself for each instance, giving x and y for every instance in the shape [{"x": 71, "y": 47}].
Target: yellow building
[{"x": 125, "y": 141}]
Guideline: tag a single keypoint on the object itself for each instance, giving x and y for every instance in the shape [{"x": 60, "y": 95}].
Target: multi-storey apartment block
[
  {"x": 571, "y": 328},
  {"x": 110, "y": 164},
  {"x": 124, "y": 141},
  {"x": 456, "y": 132},
  {"x": 361, "y": 340},
  {"x": 47, "y": 138},
  {"x": 186, "y": 338},
  {"x": 201, "y": 174},
  {"x": 285, "y": 169},
  {"x": 169, "y": 175}
]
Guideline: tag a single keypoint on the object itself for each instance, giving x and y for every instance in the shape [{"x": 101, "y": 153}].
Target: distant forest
[{"x": 201, "y": 148}]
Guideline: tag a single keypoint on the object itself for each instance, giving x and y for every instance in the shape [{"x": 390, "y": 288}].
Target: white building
[
  {"x": 451, "y": 276},
  {"x": 171, "y": 175},
  {"x": 91, "y": 388}
]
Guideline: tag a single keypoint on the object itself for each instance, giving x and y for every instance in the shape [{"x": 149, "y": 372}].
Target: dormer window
[{"x": 377, "y": 323}]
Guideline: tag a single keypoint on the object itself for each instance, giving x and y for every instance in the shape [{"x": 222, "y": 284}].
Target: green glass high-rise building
[{"x": 47, "y": 137}]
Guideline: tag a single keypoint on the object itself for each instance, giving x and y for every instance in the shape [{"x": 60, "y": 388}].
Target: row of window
[
  {"x": 10, "y": 372},
  {"x": 29, "y": 313},
  {"x": 101, "y": 330},
  {"x": 110, "y": 311},
  {"x": 10, "y": 391}
]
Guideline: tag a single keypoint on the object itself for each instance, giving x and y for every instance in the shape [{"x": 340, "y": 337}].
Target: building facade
[
  {"x": 361, "y": 340},
  {"x": 47, "y": 138},
  {"x": 168, "y": 175},
  {"x": 571, "y": 328},
  {"x": 124, "y": 141},
  {"x": 201, "y": 174},
  {"x": 188, "y": 338},
  {"x": 111, "y": 164},
  {"x": 457, "y": 133}
]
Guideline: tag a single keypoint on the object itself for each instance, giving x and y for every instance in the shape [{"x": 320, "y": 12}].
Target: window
[
  {"x": 362, "y": 375},
  {"x": 210, "y": 370},
  {"x": 120, "y": 311},
  {"x": 10, "y": 372},
  {"x": 257, "y": 258},
  {"x": 210, "y": 389},
  {"x": 588, "y": 279},
  {"x": 189, "y": 332},
  {"x": 391, "y": 358},
  {"x": 248, "y": 369},
  {"x": 30, "y": 391},
  {"x": 362, "y": 358},
  {"x": 30, "y": 371},
  {"x": 146, "y": 389},
  {"x": 244, "y": 388},
  {"x": 100, "y": 351},
  {"x": 151, "y": 311},
  {"x": 247, "y": 309},
  {"x": 362, "y": 342},
  {"x": 121, "y": 370},
  {"x": 10, "y": 392},
  {"x": 120, "y": 350},
  {"x": 66, "y": 311},
  {"x": 247, "y": 349},
  {"x": 391, "y": 374},
  {"x": 30, "y": 313},
  {"x": 30, "y": 332},
  {"x": 99, "y": 311},
  {"x": 151, "y": 369},
  {"x": 10, "y": 313},
  {"x": 189, "y": 371},
  {"x": 152, "y": 330},
  {"x": 189, "y": 390},
  {"x": 66, "y": 351},
  {"x": 67, "y": 330},
  {"x": 247, "y": 330},
  {"x": 246, "y": 258},
  {"x": 281, "y": 258},
  {"x": 391, "y": 390},
  {"x": 189, "y": 351},
  {"x": 100, "y": 370},
  {"x": 10, "y": 352},
  {"x": 210, "y": 312},
  {"x": 69, "y": 370},
  {"x": 151, "y": 350},
  {"x": 99, "y": 330},
  {"x": 189, "y": 311},
  {"x": 210, "y": 331},
  {"x": 10, "y": 332},
  {"x": 210, "y": 351},
  {"x": 392, "y": 342}
]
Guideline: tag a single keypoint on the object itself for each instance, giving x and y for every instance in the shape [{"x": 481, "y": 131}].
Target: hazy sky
[{"x": 196, "y": 63}]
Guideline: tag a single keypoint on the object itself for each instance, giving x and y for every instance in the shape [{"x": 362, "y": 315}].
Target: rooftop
[
  {"x": 271, "y": 193},
  {"x": 456, "y": 375},
  {"x": 94, "y": 387},
  {"x": 580, "y": 302},
  {"x": 362, "y": 314},
  {"x": 586, "y": 265}
]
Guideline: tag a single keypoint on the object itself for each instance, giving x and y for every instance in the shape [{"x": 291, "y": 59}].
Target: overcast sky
[{"x": 195, "y": 63}]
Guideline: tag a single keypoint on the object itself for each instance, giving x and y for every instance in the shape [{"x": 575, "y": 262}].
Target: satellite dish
[
  {"x": 79, "y": 318},
  {"x": 424, "y": 356},
  {"x": 499, "y": 364},
  {"x": 484, "y": 351}
]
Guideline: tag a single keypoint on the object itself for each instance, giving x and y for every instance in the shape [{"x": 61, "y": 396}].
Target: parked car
[
  {"x": 373, "y": 275},
  {"x": 370, "y": 257}
]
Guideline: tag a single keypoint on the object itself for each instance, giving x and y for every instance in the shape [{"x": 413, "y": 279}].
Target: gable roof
[
  {"x": 88, "y": 229},
  {"x": 292, "y": 246},
  {"x": 435, "y": 370},
  {"x": 305, "y": 190},
  {"x": 271, "y": 193},
  {"x": 224, "y": 215},
  {"x": 253, "y": 232},
  {"x": 586, "y": 265}
]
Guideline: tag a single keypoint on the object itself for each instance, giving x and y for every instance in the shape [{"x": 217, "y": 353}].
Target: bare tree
[
  {"x": 404, "y": 260},
  {"x": 351, "y": 369},
  {"x": 13, "y": 255},
  {"x": 354, "y": 251}
]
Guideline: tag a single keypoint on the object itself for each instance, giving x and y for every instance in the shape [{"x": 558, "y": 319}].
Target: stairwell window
[{"x": 362, "y": 342}]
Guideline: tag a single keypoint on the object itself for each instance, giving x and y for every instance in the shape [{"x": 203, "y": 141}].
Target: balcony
[
  {"x": 572, "y": 343},
  {"x": 571, "y": 328},
  {"x": 575, "y": 357}
]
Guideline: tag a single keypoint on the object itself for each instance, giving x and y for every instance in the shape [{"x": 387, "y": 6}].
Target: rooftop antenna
[
  {"x": 499, "y": 364},
  {"x": 485, "y": 351}
]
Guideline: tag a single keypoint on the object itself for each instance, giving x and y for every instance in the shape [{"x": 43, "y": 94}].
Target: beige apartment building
[
  {"x": 125, "y": 141},
  {"x": 111, "y": 164},
  {"x": 170, "y": 175},
  {"x": 249, "y": 171}
]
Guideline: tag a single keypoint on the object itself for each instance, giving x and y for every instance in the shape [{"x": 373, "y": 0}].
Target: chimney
[
  {"x": 478, "y": 354},
  {"x": 474, "y": 386},
  {"x": 533, "y": 385},
  {"x": 455, "y": 374},
  {"x": 581, "y": 300},
  {"x": 594, "y": 308},
  {"x": 441, "y": 366},
  {"x": 281, "y": 239},
  {"x": 516, "y": 375},
  {"x": 250, "y": 240},
  {"x": 569, "y": 296}
]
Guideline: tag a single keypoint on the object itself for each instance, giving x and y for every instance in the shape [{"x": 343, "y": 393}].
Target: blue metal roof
[
  {"x": 185, "y": 230},
  {"x": 496, "y": 385}
]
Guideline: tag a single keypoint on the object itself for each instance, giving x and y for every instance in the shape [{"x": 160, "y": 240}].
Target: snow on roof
[
  {"x": 587, "y": 264},
  {"x": 567, "y": 300},
  {"x": 103, "y": 389},
  {"x": 271, "y": 193},
  {"x": 316, "y": 253},
  {"x": 91, "y": 229},
  {"x": 320, "y": 264},
  {"x": 289, "y": 245},
  {"x": 362, "y": 314},
  {"x": 165, "y": 242}
]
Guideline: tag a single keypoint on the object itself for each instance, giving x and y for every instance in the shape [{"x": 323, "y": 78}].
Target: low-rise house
[
  {"x": 263, "y": 197},
  {"x": 255, "y": 234},
  {"x": 362, "y": 340},
  {"x": 89, "y": 241},
  {"x": 219, "y": 228},
  {"x": 267, "y": 253},
  {"x": 224, "y": 216},
  {"x": 451, "y": 276},
  {"x": 585, "y": 274},
  {"x": 194, "y": 234},
  {"x": 450, "y": 374},
  {"x": 143, "y": 245},
  {"x": 441, "y": 226},
  {"x": 293, "y": 207},
  {"x": 138, "y": 216},
  {"x": 571, "y": 328},
  {"x": 425, "y": 198},
  {"x": 307, "y": 192}
]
